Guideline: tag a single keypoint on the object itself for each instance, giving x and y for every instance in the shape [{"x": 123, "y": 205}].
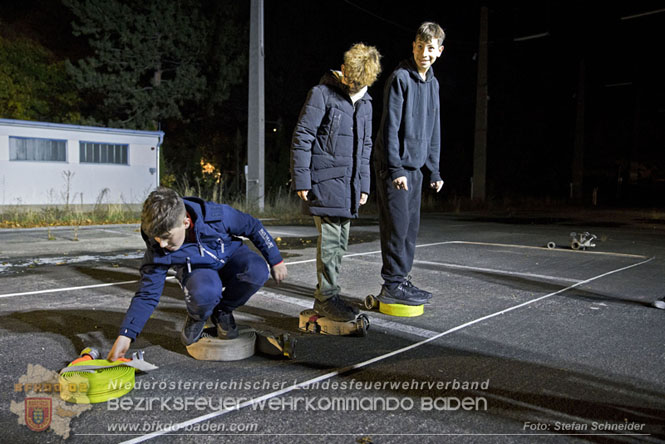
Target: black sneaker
[
  {"x": 336, "y": 309},
  {"x": 226, "y": 324},
  {"x": 400, "y": 294},
  {"x": 192, "y": 330},
  {"x": 415, "y": 291},
  {"x": 659, "y": 303}
]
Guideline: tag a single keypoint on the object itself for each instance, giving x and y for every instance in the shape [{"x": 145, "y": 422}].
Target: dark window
[
  {"x": 32, "y": 149},
  {"x": 90, "y": 152}
]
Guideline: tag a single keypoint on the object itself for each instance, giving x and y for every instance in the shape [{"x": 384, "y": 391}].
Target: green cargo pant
[{"x": 330, "y": 248}]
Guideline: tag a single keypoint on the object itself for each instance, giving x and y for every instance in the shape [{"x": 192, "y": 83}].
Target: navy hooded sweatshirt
[{"x": 410, "y": 133}]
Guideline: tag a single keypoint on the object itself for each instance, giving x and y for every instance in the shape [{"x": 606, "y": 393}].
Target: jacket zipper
[{"x": 203, "y": 250}]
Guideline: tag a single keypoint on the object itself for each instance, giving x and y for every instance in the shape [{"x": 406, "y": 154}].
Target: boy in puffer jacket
[
  {"x": 330, "y": 153},
  {"x": 199, "y": 240}
]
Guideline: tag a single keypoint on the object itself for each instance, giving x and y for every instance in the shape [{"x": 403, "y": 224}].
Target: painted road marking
[
  {"x": 63, "y": 260},
  {"x": 494, "y": 271},
  {"x": 558, "y": 250},
  {"x": 360, "y": 365}
]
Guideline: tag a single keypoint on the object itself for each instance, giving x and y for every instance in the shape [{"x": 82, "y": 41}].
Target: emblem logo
[{"x": 38, "y": 413}]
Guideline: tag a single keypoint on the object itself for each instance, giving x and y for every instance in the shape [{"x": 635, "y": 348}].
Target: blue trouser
[
  {"x": 244, "y": 274},
  {"x": 399, "y": 221}
]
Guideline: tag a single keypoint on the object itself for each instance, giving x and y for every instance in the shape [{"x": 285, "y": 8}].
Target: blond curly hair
[{"x": 362, "y": 65}]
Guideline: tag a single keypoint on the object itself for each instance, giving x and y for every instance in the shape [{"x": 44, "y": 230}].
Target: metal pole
[
  {"x": 578, "y": 148},
  {"x": 480, "y": 139},
  {"x": 255, "y": 184}
]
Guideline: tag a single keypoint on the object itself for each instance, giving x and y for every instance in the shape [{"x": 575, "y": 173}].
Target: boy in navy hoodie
[
  {"x": 408, "y": 139},
  {"x": 198, "y": 239}
]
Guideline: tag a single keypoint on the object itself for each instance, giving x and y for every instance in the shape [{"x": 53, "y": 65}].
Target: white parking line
[
  {"x": 82, "y": 287},
  {"x": 360, "y": 365},
  {"x": 55, "y": 290},
  {"x": 558, "y": 250},
  {"x": 368, "y": 253},
  {"x": 495, "y": 271}
]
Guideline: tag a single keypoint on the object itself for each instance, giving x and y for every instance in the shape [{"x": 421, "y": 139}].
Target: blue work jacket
[{"x": 216, "y": 227}]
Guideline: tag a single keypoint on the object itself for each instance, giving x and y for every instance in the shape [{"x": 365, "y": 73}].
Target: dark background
[{"x": 533, "y": 86}]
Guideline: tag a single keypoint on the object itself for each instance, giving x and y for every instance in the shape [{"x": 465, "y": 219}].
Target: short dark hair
[
  {"x": 430, "y": 30},
  {"x": 162, "y": 211}
]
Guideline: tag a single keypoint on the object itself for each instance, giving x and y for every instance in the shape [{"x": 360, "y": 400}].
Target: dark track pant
[
  {"x": 399, "y": 221},
  {"x": 244, "y": 274}
]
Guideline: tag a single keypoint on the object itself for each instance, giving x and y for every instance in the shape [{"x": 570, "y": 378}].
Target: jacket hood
[
  {"x": 199, "y": 211},
  {"x": 410, "y": 65},
  {"x": 332, "y": 79},
  {"x": 202, "y": 212}
]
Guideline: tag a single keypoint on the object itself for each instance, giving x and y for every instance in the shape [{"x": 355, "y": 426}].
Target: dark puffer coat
[{"x": 331, "y": 148}]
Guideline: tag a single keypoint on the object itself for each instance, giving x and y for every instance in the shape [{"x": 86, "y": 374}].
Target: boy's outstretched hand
[
  {"x": 279, "y": 272},
  {"x": 120, "y": 347}
]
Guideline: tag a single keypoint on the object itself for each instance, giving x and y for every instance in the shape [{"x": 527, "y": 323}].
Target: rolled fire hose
[
  {"x": 88, "y": 380},
  {"x": 90, "y": 386},
  {"x": 401, "y": 310}
]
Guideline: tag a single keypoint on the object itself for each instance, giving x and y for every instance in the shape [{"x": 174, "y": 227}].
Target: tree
[
  {"x": 154, "y": 60},
  {"x": 33, "y": 85}
]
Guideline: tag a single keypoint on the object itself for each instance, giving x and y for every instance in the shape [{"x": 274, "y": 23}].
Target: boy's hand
[
  {"x": 400, "y": 183},
  {"x": 363, "y": 198},
  {"x": 279, "y": 272},
  {"x": 303, "y": 194},
  {"x": 436, "y": 185},
  {"x": 119, "y": 348}
]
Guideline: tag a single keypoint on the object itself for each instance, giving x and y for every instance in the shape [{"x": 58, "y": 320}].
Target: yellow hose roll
[
  {"x": 99, "y": 385},
  {"x": 405, "y": 311}
]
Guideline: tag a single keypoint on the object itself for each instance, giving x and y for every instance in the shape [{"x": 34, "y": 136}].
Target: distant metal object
[
  {"x": 582, "y": 241},
  {"x": 551, "y": 245}
]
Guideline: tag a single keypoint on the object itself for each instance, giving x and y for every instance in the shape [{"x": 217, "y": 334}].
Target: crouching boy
[{"x": 217, "y": 272}]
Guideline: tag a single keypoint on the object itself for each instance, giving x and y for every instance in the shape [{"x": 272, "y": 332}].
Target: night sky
[{"x": 533, "y": 83}]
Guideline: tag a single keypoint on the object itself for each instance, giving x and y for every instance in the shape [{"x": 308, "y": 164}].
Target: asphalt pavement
[{"x": 521, "y": 343}]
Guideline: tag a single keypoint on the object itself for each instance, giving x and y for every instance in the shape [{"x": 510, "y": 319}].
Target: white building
[{"x": 47, "y": 163}]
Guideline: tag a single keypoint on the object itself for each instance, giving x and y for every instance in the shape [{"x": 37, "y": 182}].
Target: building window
[
  {"x": 91, "y": 152},
  {"x": 32, "y": 149}
]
